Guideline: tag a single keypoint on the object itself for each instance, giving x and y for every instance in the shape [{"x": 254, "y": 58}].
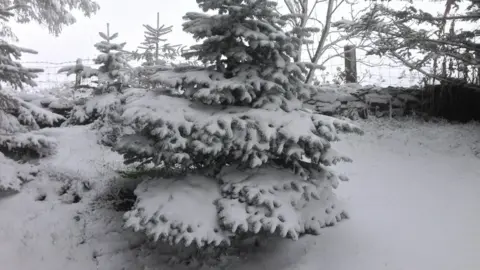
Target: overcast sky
[{"x": 77, "y": 41}]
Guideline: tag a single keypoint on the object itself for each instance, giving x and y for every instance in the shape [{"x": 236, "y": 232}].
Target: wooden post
[
  {"x": 477, "y": 60},
  {"x": 350, "y": 64}
]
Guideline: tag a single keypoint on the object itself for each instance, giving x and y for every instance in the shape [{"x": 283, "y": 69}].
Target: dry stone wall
[{"x": 355, "y": 101}]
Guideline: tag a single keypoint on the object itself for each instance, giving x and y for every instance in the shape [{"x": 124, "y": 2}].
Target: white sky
[{"x": 77, "y": 41}]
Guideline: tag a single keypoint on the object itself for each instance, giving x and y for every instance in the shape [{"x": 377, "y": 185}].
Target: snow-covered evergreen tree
[
  {"x": 238, "y": 152},
  {"x": 11, "y": 71},
  {"x": 17, "y": 115},
  {"x": 17, "y": 118},
  {"x": 113, "y": 75},
  {"x": 114, "y": 72},
  {"x": 154, "y": 52}
]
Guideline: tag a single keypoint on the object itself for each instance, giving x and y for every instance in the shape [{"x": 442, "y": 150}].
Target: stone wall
[{"x": 355, "y": 101}]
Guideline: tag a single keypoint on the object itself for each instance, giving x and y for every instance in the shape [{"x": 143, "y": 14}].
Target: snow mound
[{"x": 78, "y": 153}]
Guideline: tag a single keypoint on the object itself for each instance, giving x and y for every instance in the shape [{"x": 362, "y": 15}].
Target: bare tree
[
  {"x": 418, "y": 40},
  {"x": 305, "y": 23}
]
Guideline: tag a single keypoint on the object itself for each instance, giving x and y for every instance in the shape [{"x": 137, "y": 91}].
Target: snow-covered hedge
[{"x": 353, "y": 100}]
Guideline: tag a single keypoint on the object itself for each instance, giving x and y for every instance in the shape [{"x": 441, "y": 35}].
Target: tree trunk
[{"x": 322, "y": 41}]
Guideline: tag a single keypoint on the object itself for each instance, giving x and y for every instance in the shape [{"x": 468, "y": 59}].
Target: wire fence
[{"x": 370, "y": 71}]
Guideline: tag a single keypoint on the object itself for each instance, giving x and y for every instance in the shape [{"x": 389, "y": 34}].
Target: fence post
[
  {"x": 350, "y": 64},
  {"x": 477, "y": 60}
]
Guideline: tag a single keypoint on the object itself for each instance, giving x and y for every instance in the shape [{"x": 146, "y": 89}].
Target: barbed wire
[
  {"x": 55, "y": 63},
  {"x": 383, "y": 73}
]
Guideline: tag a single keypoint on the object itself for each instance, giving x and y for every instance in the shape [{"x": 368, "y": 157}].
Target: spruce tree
[
  {"x": 154, "y": 52},
  {"x": 237, "y": 153},
  {"x": 17, "y": 115},
  {"x": 11, "y": 71},
  {"x": 113, "y": 75},
  {"x": 114, "y": 72}
]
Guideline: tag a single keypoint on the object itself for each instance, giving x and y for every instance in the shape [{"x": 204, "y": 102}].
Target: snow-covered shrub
[
  {"x": 245, "y": 156},
  {"x": 13, "y": 175},
  {"x": 19, "y": 115},
  {"x": 17, "y": 118},
  {"x": 59, "y": 104},
  {"x": 27, "y": 145},
  {"x": 93, "y": 108}
]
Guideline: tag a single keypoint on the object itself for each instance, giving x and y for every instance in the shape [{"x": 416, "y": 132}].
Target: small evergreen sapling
[
  {"x": 113, "y": 75},
  {"x": 154, "y": 52},
  {"x": 81, "y": 71},
  {"x": 154, "y": 48},
  {"x": 242, "y": 153},
  {"x": 114, "y": 72}
]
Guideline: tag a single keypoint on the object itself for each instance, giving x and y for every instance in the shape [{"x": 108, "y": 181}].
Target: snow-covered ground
[{"x": 413, "y": 199}]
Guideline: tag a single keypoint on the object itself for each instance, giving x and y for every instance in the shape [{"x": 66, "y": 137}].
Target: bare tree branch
[{"x": 325, "y": 31}]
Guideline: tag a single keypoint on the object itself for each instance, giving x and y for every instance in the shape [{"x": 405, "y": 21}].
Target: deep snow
[{"x": 413, "y": 199}]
